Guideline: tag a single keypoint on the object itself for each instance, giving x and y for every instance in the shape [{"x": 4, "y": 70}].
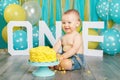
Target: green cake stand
[{"x": 43, "y": 69}]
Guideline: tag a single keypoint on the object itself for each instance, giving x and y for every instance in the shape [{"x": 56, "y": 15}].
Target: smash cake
[{"x": 42, "y": 54}]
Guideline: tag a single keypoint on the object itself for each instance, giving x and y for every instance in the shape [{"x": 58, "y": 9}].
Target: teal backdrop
[{"x": 3, "y": 23}]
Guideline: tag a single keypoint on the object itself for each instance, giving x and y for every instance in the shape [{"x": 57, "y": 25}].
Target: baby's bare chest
[{"x": 67, "y": 41}]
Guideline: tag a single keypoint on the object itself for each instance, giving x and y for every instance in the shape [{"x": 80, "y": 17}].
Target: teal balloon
[
  {"x": 5, "y": 3},
  {"x": 111, "y": 43},
  {"x": 35, "y": 36},
  {"x": 102, "y": 9},
  {"x": 115, "y": 11},
  {"x": 20, "y": 40},
  {"x": 63, "y": 33}
]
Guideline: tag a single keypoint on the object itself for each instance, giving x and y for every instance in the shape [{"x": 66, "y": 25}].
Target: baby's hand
[{"x": 59, "y": 57}]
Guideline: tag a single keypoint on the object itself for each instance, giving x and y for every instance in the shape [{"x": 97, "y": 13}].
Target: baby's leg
[{"x": 66, "y": 64}]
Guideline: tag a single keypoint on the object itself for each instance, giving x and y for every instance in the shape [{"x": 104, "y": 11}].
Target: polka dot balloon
[
  {"x": 115, "y": 10},
  {"x": 116, "y": 26},
  {"x": 5, "y": 3},
  {"x": 102, "y": 9},
  {"x": 20, "y": 40},
  {"x": 111, "y": 43},
  {"x": 35, "y": 36}
]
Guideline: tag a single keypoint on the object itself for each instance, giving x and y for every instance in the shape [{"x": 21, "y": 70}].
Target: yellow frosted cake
[{"x": 42, "y": 54}]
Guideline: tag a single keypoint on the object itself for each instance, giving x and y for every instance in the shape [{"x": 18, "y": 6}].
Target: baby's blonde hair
[{"x": 73, "y": 11}]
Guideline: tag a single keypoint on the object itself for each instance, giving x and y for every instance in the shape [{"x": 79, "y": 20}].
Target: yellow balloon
[
  {"x": 110, "y": 24},
  {"x": 14, "y": 12},
  {"x": 16, "y": 28},
  {"x": 81, "y": 33},
  {"x": 4, "y": 32},
  {"x": 92, "y": 45},
  {"x": 79, "y": 27}
]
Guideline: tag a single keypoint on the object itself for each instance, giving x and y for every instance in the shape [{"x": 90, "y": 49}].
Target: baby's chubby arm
[{"x": 73, "y": 50}]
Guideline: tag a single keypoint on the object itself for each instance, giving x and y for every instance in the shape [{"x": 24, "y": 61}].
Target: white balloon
[
  {"x": 116, "y": 26},
  {"x": 33, "y": 11}
]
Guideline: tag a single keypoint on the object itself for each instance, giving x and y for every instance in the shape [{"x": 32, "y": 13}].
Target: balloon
[
  {"x": 4, "y": 34},
  {"x": 35, "y": 36},
  {"x": 110, "y": 24},
  {"x": 16, "y": 28},
  {"x": 33, "y": 11},
  {"x": 92, "y": 45},
  {"x": 115, "y": 10},
  {"x": 5, "y": 3},
  {"x": 20, "y": 40},
  {"x": 63, "y": 33},
  {"x": 102, "y": 9},
  {"x": 14, "y": 12},
  {"x": 79, "y": 28},
  {"x": 111, "y": 43},
  {"x": 116, "y": 26}
]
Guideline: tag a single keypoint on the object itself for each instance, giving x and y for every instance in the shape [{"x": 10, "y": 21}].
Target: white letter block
[
  {"x": 44, "y": 30},
  {"x": 87, "y": 38},
  {"x": 10, "y": 27}
]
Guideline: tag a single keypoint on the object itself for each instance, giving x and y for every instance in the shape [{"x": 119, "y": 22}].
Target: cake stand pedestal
[{"x": 43, "y": 70}]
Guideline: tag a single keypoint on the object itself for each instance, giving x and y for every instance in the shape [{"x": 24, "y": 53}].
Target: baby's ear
[{"x": 78, "y": 23}]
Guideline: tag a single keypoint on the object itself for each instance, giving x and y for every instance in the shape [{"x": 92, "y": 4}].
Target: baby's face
[{"x": 70, "y": 22}]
